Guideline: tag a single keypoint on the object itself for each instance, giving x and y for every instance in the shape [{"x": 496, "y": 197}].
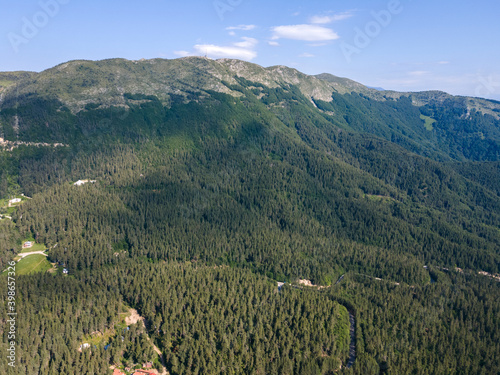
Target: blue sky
[{"x": 402, "y": 45}]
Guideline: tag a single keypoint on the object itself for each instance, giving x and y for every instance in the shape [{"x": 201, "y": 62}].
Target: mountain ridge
[
  {"x": 270, "y": 76},
  {"x": 432, "y": 124}
]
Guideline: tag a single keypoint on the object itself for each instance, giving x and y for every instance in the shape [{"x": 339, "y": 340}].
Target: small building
[
  {"x": 27, "y": 244},
  {"x": 83, "y": 182},
  {"x": 280, "y": 285},
  {"x": 14, "y": 201},
  {"x": 84, "y": 346},
  {"x": 65, "y": 271},
  {"x": 147, "y": 365},
  {"x": 118, "y": 372}
]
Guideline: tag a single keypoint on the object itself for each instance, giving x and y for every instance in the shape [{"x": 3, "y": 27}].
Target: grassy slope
[
  {"x": 429, "y": 122},
  {"x": 33, "y": 264}
]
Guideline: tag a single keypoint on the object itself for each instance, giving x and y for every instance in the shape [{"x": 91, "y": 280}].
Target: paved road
[{"x": 22, "y": 255}]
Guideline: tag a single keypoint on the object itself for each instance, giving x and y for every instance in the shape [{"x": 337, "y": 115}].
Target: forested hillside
[{"x": 213, "y": 180}]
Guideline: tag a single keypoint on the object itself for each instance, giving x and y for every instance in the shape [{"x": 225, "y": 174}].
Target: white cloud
[
  {"x": 273, "y": 43},
  {"x": 305, "y": 54},
  {"x": 443, "y": 62},
  {"x": 232, "y": 33},
  {"x": 182, "y": 53},
  {"x": 241, "y": 27},
  {"x": 247, "y": 43},
  {"x": 320, "y": 19},
  {"x": 243, "y": 50},
  {"x": 330, "y": 19},
  {"x": 310, "y": 33}
]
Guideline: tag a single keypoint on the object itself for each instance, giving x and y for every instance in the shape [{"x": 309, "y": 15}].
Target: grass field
[
  {"x": 99, "y": 338},
  {"x": 33, "y": 264},
  {"x": 5, "y": 202},
  {"x": 35, "y": 247},
  {"x": 429, "y": 122},
  {"x": 6, "y": 210}
]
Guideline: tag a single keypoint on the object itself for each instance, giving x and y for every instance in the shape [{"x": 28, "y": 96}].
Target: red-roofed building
[
  {"x": 118, "y": 372},
  {"x": 143, "y": 372}
]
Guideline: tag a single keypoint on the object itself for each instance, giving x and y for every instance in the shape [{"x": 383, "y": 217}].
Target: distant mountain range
[{"x": 432, "y": 123}]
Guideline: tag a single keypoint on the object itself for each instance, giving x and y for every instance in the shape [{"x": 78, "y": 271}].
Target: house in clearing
[
  {"x": 118, "y": 372},
  {"x": 83, "y": 182},
  {"x": 27, "y": 244},
  {"x": 14, "y": 201}
]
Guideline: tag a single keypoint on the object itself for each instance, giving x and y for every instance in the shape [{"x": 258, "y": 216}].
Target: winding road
[
  {"x": 352, "y": 326},
  {"x": 352, "y": 345}
]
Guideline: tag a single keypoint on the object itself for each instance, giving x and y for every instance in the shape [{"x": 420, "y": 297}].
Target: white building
[
  {"x": 15, "y": 200},
  {"x": 83, "y": 182}
]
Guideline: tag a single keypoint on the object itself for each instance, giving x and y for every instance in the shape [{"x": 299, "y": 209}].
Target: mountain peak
[{"x": 80, "y": 82}]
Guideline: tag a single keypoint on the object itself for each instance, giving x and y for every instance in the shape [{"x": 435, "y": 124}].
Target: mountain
[
  {"x": 213, "y": 179},
  {"x": 344, "y": 143},
  {"x": 432, "y": 124},
  {"x": 11, "y": 78}
]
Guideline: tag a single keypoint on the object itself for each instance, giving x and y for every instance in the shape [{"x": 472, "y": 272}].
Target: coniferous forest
[{"x": 200, "y": 202}]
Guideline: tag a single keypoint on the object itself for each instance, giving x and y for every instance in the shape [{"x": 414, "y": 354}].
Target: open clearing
[
  {"x": 429, "y": 122},
  {"x": 35, "y": 247},
  {"x": 33, "y": 264},
  {"x": 133, "y": 318}
]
